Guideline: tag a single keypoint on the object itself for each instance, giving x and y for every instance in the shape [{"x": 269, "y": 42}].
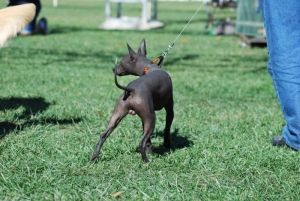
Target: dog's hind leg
[
  {"x": 148, "y": 127},
  {"x": 169, "y": 120},
  {"x": 119, "y": 113}
]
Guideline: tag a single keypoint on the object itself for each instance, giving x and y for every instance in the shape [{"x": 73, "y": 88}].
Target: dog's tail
[
  {"x": 13, "y": 19},
  {"x": 127, "y": 90}
]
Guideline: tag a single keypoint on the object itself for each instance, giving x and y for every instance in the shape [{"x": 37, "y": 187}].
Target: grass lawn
[{"x": 57, "y": 94}]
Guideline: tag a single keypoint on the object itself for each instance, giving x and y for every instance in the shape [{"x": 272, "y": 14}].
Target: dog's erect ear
[
  {"x": 130, "y": 51},
  {"x": 142, "y": 49}
]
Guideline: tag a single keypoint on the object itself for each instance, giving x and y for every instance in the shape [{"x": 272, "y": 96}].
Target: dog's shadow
[
  {"x": 32, "y": 106},
  {"x": 178, "y": 141}
]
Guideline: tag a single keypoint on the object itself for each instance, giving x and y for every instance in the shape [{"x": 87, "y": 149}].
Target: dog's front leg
[{"x": 169, "y": 120}]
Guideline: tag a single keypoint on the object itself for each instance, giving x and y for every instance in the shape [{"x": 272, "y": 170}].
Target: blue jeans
[{"x": 282, "y": 23}]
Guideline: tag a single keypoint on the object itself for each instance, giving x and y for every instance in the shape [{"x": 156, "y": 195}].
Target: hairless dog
[{"x": 150, "y": 92}]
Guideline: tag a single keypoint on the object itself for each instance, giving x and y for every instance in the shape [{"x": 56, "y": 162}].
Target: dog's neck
[
  {"x": 146, "y": 70},
  {"x": 150, "y": 68}
]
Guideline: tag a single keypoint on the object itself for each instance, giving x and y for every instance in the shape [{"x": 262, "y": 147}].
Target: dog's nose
[{"x": 114, "y": 70}]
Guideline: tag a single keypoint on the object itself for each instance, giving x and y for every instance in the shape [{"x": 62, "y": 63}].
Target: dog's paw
[
  {"x": 167, "y": 145},
  {"x": 146, "y": 160},
  {"x": 148, "y": 149},
  {"x": 95, "y": 158}
]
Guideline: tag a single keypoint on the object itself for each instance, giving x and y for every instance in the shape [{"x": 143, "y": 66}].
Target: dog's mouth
[{"x": 115, "y": 71}]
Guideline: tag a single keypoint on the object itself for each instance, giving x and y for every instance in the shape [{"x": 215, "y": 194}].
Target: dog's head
[{"x": 133, "y": 63}]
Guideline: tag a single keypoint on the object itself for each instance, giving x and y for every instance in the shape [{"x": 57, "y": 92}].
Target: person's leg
[
  {"x": 282, "y": 23},
  {"x": 30, "y": 28},
  {"x": 38, "y": 6}
]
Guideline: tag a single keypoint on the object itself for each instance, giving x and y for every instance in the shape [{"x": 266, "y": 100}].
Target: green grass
[{"x": 57, "y": 94}]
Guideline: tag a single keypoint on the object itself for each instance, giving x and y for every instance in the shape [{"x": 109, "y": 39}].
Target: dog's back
[{"x": 155, "y": 85}]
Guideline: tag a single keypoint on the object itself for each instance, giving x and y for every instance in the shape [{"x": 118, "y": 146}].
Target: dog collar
[{"x": 146, "y": 70}]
